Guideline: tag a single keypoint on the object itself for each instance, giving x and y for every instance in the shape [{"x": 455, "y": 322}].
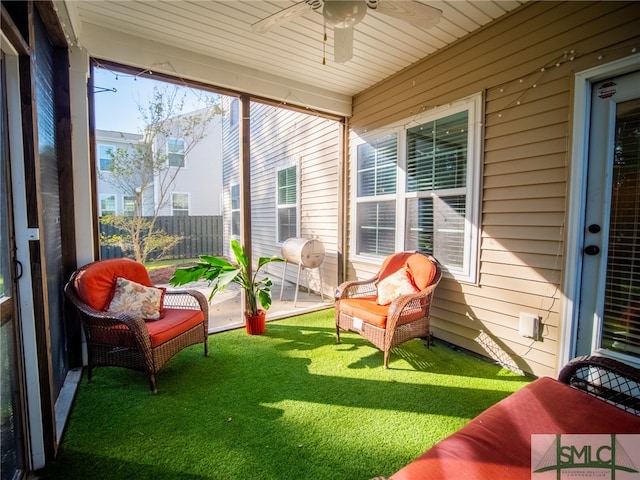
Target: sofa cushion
[
  {"x": 396, "y": 284},
  {"x": 94, "y": 284},
  {"x": 422, "y": 270},
  {"x": 136, "y": 299},
  {"x": 497, "y": 443},
  {"x": 174, "y": 322},
  {"x": 366, "y": 309}
]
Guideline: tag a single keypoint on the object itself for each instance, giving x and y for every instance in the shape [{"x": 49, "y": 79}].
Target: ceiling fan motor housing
[{"x": 344, "y": 14}]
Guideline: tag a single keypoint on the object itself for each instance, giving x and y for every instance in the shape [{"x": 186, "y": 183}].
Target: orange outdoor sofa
[{"x": 593, "y": 395}]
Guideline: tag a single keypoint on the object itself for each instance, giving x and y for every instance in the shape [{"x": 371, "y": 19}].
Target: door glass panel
[{"x": 621, "y": 327}]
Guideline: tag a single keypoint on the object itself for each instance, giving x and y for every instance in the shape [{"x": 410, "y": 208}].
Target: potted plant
[{"x": 220, "y": 273}]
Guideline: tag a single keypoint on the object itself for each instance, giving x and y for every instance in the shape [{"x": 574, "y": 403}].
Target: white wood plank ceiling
[{"x": 221, "y": 30}]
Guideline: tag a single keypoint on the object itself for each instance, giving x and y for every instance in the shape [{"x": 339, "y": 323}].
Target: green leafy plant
[{"x": 220, "y": 273}]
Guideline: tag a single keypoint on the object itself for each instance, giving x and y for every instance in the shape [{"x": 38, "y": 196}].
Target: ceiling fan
[{"x": 343, "y": 15}]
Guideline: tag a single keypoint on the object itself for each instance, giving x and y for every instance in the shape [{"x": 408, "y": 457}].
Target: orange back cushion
[
  {"x": 95, "y": 284},
  {"x": 422, "y": 269}
]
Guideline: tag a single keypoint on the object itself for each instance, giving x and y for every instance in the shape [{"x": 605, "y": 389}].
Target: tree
[{"x": 147, "y": 170}]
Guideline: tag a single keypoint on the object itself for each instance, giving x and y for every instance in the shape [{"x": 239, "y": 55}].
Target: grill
[{"x": 306, "y": 253}]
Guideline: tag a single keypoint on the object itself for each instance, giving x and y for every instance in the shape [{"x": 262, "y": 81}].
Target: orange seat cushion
[
  {"x": 95, "y": 284},
  {"x": 175, "y": 322},
  {"x": 366, "y": 309}
]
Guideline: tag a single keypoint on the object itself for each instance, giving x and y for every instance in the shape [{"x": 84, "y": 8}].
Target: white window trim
[
  {"x": 105, "y": 145},
  {"x": 124, "y": 202},
  {"x": 279, "y": 167},
  {"x": 105, "y": 196},
  {"x": 231, "y": 209},
  {"x": 474, "y": 105},
  {"x": 184, "y": 156},
  {"x": 173, "y": 210}
]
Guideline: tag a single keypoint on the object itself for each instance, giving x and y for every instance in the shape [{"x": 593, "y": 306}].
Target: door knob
[
  {"x": 592, "y": 250},
  {"x": 594, "y": 228}
]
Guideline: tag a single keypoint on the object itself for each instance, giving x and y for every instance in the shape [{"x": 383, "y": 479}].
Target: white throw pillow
[
  {"x": 396, "y": 284},
  {"x": 136, "y": 300}
]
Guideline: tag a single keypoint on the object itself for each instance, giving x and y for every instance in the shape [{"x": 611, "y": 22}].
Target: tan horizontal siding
[{"x": 526, "y": 127}]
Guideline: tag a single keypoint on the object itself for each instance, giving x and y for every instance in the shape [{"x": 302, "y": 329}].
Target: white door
[{"x": 609, "y": 310}]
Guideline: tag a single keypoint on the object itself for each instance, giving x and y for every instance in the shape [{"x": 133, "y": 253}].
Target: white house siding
[
  {"x": 284, "y": 137},
  {"x": 527, "y": 141},
  {"x": 116, "y": 140},
  {"x": 201, "y": 177}
]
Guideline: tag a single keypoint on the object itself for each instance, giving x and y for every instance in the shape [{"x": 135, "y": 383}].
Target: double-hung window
[
  {"x": 235, "y": 209},
  {"x": 180, "y": 204},
  {"x": 175, "y": 152},
  {"x": 128, "y": 206},
  {"x": 105, "y": 157},
  {"x": 287, "y": 203},
  {"x": 377, "y": 162},
  {"x": 107, "y": 204},
  {"x": 417, "y": 188}
]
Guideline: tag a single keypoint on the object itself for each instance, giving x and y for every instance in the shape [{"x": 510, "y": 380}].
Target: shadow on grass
[
  {"x": 415, "y": 352},
  {"x": 287, "y": 405}
]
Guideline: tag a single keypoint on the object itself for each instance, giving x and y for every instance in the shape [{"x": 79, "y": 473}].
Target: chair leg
[
  {"x": 152, "y": 384},
  {"x": 337, "y": 334},
  {"x": 386, "y": 359},
  {"x": 206, "y": 347}
]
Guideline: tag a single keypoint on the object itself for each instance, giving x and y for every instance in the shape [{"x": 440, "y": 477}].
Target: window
[
  {"x": 105, "y": 158},
  {"x": 107, "y": 205},
  {"x": 180, "y": 204},
  {"x": 128, "y": 206},
  {"x": 235, "y": 209},
  {"x": 175, "y": 152},
  {"x": 287, "y": 203},
  {"x": 417, "y": 188},
  {"x": 376, "y": 203},
  {"x": 234, "y": 112}
]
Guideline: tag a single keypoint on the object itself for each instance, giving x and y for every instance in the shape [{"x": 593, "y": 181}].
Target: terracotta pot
[{"x": 256, "y": 324}]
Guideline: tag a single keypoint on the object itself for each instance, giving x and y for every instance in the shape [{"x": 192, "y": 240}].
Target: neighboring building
[
  {"x": 294, "y": 178},
  {"x": 187, "y": 194},
  {"x": 530, "y": 196},
  {"x": 110, "y": 200}
]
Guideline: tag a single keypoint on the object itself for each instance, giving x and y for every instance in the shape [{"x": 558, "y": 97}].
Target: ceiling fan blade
[
  {"x": 283, "y": 16},
  {"x": 342, "y": 44},
  {"x": 416, "y": 13}
]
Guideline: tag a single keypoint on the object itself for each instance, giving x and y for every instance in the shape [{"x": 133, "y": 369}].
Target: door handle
[{"x": 592, "y": 250}]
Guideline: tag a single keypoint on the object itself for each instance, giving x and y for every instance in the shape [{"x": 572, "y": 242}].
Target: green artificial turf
[{"x": 288, "y": 405}]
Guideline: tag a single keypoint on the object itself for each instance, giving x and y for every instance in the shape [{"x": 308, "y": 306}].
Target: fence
[{"x": 202, "y": 235}]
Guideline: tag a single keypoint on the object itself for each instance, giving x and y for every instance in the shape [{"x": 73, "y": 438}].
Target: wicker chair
[
  {"x": 128, "y": 340},
  {"x": 358, "y": 307}
]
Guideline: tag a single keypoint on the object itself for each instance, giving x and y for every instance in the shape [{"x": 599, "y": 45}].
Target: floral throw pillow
[
  {"x": 136, "y": 299},
  {"x": 396, "y": 284}
]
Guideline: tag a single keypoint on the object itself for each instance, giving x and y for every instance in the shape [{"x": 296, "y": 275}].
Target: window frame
[
  {"x": 472, "y": 190},
  {"x": 126, "y": 200},
  {"x": 105, "y": 146},
  {"x": 279, "y": 168},
  {"x": 174, "y": 210},
  {"x": 234, "y": 210},
  {"x": 103, "y": 197},
  {"x": 183, "y": 163}
]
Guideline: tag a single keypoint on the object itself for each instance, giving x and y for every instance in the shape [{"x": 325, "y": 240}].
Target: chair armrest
[
  {"x": 357, "y": 288},
  {"x": 192, "y": 299},
  {"x": 608, "y": 379}
]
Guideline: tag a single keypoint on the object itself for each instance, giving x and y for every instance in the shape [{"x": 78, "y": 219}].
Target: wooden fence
[{"x": 202, "y": 235}]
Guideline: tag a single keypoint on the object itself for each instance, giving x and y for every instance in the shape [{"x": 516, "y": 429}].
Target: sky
[{"x": 118, "y": 110}]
